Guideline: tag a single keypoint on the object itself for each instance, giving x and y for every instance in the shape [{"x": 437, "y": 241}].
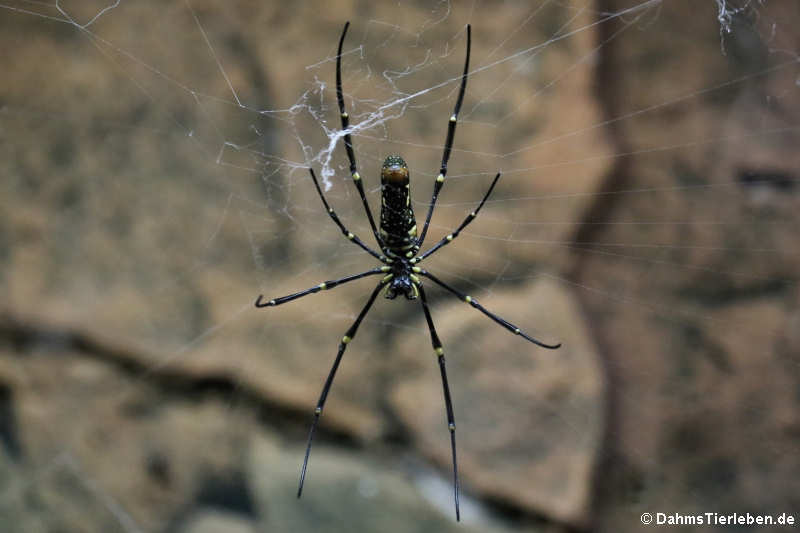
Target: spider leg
[
  {"x": 348, "y": 143},
  {"x": 474, "y": 303},
  {"x": 448, "y": 145},
  {"x": 451, "y": 424},
  {"x": 321, "y": 287},
  {"x": 338, "y": 222},
  {"x": 447, "y": 239},
  {"x": 351, "y": 333}
]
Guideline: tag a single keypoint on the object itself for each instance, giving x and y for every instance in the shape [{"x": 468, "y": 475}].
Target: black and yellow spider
[{"x": 400, "y": 244}]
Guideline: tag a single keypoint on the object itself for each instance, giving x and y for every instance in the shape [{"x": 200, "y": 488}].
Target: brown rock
[{"x": 529, "y": 420}]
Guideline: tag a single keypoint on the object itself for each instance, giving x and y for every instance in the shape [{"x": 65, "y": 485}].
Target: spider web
[{"x": 155, "y": 164}]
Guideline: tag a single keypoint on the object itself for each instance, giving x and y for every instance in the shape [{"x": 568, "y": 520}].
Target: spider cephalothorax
[
  {"x": 402, "y": 280},
  {"x": 400, "y": 244}
]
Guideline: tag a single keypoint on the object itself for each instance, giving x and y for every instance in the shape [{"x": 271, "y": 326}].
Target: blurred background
[{"x": 154, "y": 183}]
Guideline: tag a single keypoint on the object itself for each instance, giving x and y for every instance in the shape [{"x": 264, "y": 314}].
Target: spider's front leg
[
  {"x": 325, "y": 285},
  {"x": 474, "y": 303},
  {"x": 350, "y": 335},
  {"x": 451, "y": 424}
]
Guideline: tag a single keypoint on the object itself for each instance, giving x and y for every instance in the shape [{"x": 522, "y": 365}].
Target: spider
[{"x": 399, "y": 246}]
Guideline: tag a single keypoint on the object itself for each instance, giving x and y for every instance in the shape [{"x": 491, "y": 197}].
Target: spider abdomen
[{"x": 398, "y": 224}]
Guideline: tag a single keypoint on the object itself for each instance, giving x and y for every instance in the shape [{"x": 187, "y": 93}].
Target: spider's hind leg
[
  {"x": 451, "y": 424},
  {"x": 348, "y": 142},
  {"x": 347, "y": 233},
  {"x": 470, "y": 217},
  {"x": 448, "y": 143}
]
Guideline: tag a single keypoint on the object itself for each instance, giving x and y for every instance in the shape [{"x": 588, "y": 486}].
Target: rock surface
[
  {"x": 529, "y": 421},
  {"x": 154, "y": 183}
]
